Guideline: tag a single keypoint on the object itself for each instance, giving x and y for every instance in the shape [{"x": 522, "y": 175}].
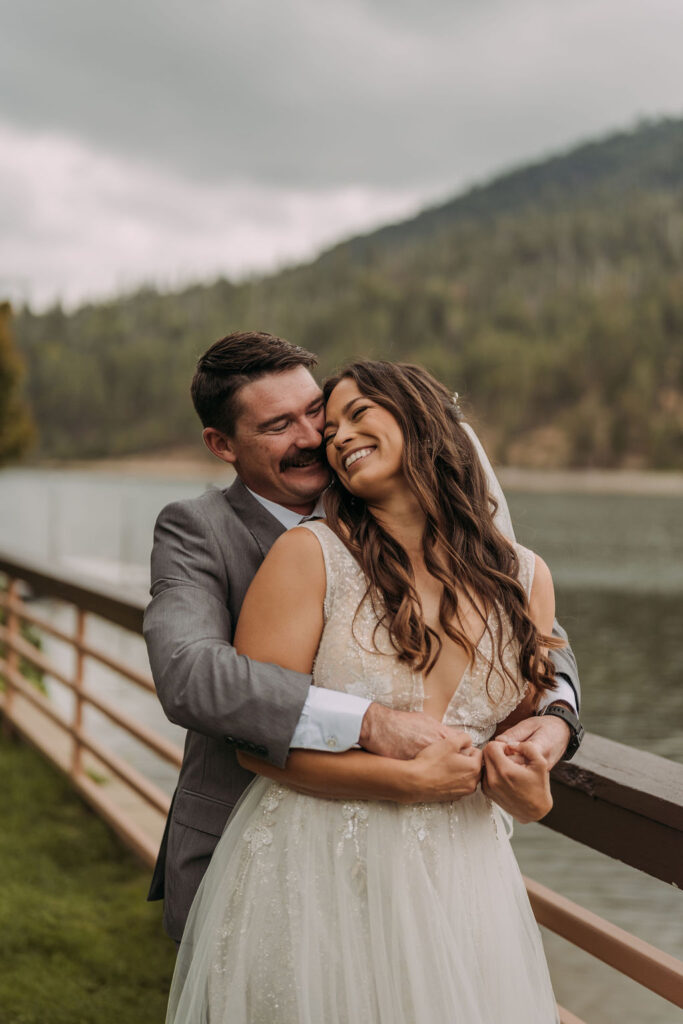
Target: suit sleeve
[
  {"x": 563, "y": 659},
  {"x": 565, "y": 664},
  {"x": 202, "y": 683}
]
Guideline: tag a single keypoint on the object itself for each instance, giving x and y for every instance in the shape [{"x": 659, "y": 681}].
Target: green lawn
[{"x": 78, "y": 942}]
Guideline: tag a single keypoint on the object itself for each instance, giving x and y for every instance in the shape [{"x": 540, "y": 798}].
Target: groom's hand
[
  {"x": 517, "y": 778},
  {"x": 399, "y": 734},
  {"x": 549, "y": 734}
]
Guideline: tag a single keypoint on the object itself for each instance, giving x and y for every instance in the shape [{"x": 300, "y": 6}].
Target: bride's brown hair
[{"x": 462, "y": 547}]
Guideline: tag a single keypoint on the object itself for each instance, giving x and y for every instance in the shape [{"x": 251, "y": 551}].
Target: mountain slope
[
  {"x": 649, "y": 157},
  {"x": 552, "y": 298}
]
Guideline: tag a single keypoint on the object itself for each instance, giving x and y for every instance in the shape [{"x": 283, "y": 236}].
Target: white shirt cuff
[
  {"x": 330, "y": 720},
  {"x": 563, "y": 691}
]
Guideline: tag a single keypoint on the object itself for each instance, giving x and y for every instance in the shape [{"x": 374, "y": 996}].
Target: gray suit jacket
[{"x": 206, "y": 553}]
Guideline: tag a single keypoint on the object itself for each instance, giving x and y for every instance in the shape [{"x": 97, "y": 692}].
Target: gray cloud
[
  {"x": 314, "y": 94},
  {"x": 162, "y": 140}
]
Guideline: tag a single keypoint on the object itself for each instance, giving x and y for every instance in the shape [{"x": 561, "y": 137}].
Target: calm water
[{"x": 618, "y": 568}]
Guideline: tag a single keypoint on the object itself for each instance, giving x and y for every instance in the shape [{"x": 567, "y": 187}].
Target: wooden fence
[{"x": 623, "y": 802}]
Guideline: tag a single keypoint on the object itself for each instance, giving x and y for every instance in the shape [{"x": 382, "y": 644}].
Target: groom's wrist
[
  {"x": 558, "y": 733},
  {"x": 367, "y": 727}
]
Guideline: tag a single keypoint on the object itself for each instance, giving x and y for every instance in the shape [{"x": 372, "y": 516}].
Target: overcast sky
[{"x": 166, "y": 141}]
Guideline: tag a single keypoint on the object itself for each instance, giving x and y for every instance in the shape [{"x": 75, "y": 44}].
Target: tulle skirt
[{"x": 321, "y": 911}]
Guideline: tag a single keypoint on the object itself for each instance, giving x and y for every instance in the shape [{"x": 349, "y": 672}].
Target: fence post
[
  {"x": 12, "y": 659},
  {"x": 77, "y": 749}
]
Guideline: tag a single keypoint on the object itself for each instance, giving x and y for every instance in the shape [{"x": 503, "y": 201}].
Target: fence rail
[{"x": 623, "y": 802}]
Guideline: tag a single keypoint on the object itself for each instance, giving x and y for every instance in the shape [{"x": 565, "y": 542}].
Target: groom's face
[{"x": 276, "y": 448}]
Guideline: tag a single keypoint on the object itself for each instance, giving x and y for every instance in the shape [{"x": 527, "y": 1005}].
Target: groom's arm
[
  {"x": 550, "y": 734},
  {"x": 202, "y": 683}
]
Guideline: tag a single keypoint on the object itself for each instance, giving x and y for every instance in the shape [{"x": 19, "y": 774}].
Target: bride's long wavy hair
[{"x": 462, "y": 548}]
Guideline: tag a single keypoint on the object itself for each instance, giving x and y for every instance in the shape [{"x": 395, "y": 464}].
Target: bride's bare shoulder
[
  {"x": 542, "y": 596},
  {"x": 282, "y": 614},
  {"x": 296, "y": 555}
]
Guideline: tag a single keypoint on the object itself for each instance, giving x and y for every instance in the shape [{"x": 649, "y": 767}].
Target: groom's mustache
[{"x": 303, "y": 457}]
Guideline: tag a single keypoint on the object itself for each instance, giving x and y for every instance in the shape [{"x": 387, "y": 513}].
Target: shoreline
[
  {"x": 592, "y": 481},
  {"x": 191, "y": 464}
]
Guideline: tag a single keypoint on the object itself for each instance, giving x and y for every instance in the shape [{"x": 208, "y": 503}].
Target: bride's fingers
[
  {"x": 458, "y": 733},
  {"x": 460, "y": 739},
  {"x": 514, "y": 753},
  {"x": 532, "y": 755},
  {"x": 491, "y": 774},
  {"x": 511, "y": 751},
  {"x": 514, "y": 756},
  {"x": 503, "y": 757}
]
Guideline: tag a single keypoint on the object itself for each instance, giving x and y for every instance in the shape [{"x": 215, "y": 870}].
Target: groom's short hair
[{"x": 234, "y": 361}]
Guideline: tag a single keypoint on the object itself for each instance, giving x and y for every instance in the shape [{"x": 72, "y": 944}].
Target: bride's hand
[
  {"x": 517, "y": 778},
  {"x": 445, "y": 770}
]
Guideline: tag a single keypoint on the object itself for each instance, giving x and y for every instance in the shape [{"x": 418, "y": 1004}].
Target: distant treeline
[
  {"x": 17, "y": 431},
  {"x": 551, "y": 299}
]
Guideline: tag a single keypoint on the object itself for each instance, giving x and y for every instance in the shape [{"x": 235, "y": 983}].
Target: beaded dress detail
[{"x": 320, "y": 911}]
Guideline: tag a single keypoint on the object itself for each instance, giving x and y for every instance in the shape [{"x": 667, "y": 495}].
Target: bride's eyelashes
[
  {"x": 358, "y": 412},
  {"x": 355, "y": 415}
]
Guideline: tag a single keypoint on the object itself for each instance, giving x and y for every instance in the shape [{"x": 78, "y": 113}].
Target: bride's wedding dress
[{"x": 318, "y": 911}]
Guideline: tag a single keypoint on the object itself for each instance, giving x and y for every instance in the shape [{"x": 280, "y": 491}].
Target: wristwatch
[{"x": 575, "y": 727}]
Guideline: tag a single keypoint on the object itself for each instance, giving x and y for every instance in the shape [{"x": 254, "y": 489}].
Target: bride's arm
[
  {"x": 281, "y": 623},
  {"x": 442, "y": 772}
]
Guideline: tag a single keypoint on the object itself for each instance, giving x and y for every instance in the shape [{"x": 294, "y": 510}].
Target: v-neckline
[
  {"x": 465, "y": 674},
  {"x": 420, "y": 675}
]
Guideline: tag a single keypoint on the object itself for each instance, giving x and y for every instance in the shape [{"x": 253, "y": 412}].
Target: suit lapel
[{"x": 264, "y": 528}]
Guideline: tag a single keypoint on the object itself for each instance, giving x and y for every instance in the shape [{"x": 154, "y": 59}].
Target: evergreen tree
[{"x": 17, "y": 430}]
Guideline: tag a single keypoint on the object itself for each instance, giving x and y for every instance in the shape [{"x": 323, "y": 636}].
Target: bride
[{"x": 318, "y": 908}]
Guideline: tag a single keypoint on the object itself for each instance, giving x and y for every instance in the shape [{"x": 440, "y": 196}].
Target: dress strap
[
  {"x": 527, "y": 566},
  {"x": 338, "y": 559}
]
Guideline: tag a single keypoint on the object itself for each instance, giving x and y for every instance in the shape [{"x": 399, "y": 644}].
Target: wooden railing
[
  {"x": 137, "y": 808},
  {"x": 620, "y": 801}
]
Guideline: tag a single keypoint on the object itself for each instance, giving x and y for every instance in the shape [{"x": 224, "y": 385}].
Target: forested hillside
[
  {"x": 16, "y": 426},
  {"x": 551, "y": 299}
]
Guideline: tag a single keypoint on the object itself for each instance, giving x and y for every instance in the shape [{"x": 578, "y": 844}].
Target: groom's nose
[{"x": 307, "y": 435}]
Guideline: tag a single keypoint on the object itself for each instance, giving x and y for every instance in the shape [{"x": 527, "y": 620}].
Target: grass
[{"x": 78, "y": 942}]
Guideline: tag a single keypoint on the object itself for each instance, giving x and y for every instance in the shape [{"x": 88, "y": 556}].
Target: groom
[{"x": 262, "y": 414}]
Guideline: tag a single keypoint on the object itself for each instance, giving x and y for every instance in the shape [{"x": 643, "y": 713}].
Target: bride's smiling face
[{"x": 364, "y": 443}]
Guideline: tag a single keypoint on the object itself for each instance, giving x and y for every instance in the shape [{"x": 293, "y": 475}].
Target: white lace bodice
[{"x": 356, "y": 657}]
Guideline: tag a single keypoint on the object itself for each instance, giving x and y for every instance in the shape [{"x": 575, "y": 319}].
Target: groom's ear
[{"x": 219, "y": 444}]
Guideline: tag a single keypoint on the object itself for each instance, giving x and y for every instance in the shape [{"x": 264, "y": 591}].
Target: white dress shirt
[{"x": 331, "y": 720}]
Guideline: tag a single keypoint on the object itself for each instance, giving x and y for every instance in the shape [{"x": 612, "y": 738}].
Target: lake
[{"x": 617, "y": 561}]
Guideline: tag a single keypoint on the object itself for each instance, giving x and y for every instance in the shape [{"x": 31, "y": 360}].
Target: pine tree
[{"x": 17, "y": 429}]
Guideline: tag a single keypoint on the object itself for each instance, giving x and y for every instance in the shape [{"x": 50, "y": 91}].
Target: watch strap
[{"x": 575, "y": 728}]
